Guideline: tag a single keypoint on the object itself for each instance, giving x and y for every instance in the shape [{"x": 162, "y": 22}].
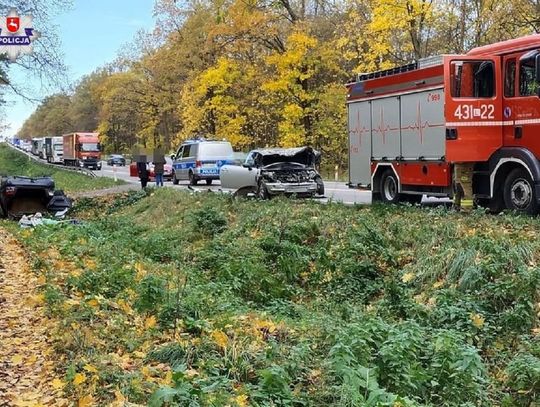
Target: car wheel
[
  {"x": 192, "y": 179},
  {"x": 519, "y": 194},
  {"x": 208, "y": 182},
  {"x": 174, "y": 179},
  {"x": 389, "y": 187},
  {"x": 262, "y": 191}
]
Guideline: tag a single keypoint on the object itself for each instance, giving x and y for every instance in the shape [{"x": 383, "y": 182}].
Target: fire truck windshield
[
  {"x": 528, "y": 83},
  {"x": 89, "y": 147}
]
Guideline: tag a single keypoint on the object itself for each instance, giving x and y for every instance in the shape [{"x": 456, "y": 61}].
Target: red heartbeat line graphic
[
  {"x": 384, "y": 128},
  {"x": 359, "y": 130},
  {"x": 419, "y": 126}
]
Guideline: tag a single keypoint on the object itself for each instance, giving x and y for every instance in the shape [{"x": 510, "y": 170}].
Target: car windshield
[
  {"x": 215, "y": 150},
  {"x": 89, "y": 147},
  {"x": 58, "y": 147}
]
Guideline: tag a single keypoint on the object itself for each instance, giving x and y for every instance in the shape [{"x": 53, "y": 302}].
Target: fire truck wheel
[
  {"x": 519, "y": 192},
  {"x": 389, "y": 187}
]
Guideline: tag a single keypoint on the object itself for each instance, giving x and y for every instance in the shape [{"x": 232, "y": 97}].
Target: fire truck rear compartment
[{"x": 406, "y": 130}]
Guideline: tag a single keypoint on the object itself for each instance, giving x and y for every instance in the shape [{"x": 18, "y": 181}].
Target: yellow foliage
[
  {"x": 407, "y": 277},
  {"x": 90, "y": 368},
  {"x": 220, "y": 338},
  {"x": 94, "y": 303},
  {"x": 86, "y": 401},
  {"x": 241, "y": 400},
  {"x": 150, "y": 322},
  {"x": 477, "y": 320},
  {"x": 57, "y": 384},
  {"x": 79, "y": 379}
]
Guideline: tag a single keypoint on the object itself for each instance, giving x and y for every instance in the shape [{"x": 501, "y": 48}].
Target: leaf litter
[{"x": 27, "y": 358}]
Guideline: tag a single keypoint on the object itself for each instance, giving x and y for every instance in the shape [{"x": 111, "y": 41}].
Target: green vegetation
[
  {"x": 13, "y": 162},
  {"x": 209, "y": 301}
]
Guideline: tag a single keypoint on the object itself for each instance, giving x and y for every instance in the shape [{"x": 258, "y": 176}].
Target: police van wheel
[
  {"x": 389, "y": 187},
  {"x": 174, "y": 179},
  {"x": 208, "y": 182},
  {"x": 519, "y": 192}
]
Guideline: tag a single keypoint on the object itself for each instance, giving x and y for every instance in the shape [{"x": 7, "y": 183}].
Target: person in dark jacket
[
  {"x": 159, "y": 166},
  {"x": 142, "y": 171},
  {"x": 159, "y": 169}
]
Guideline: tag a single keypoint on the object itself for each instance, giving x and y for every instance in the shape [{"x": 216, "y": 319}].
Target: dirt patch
[{"x": 27, "y": 359}]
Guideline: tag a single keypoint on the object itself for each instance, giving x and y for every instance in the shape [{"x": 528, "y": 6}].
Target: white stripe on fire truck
[{"x": 493, "y": 123}]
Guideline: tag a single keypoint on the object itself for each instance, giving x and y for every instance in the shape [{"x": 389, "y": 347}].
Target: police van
[{"x": 200, "y": 159}]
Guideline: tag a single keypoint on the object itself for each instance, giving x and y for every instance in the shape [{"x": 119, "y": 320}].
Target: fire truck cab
[{"x": 410, "y": 126}]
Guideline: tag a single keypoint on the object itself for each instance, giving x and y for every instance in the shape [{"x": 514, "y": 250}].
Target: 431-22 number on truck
[{"x": 467, "y": 112}]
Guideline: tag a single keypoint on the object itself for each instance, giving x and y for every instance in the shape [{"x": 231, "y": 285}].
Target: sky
[{"x": 92, "y": 32}]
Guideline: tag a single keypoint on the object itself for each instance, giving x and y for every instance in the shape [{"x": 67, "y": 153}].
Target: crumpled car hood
[{"x": 301, "y": 155}]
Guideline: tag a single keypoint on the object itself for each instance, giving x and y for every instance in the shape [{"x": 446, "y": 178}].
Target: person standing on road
[
  {"x": 142, "y": 170},
  {"x": 159, "y": 169},
  {"x": 159, "y": 166}
]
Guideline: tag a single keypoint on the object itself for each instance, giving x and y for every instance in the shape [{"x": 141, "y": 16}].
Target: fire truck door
[
  {"x": 473, "y": 107},
  {"x": 521, "y": 106}
]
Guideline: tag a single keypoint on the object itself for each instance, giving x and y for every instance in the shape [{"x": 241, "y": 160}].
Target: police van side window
[
  {"x": 187, "y": 150},
  {"x": 472, "y": 79},
  {"x": 510, "y": 78},
  {"x": 179, "y": 153},
  {"x": 528, "y": 85}
]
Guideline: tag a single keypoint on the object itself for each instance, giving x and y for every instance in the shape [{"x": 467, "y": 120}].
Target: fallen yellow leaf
[
  {"x": 150, "y": 322},
  {"x": 94, "y": 303},
  {"x": 220, "y": 338},
  {"x": 477, "y": 320},
  {"x": 57, "y": 384},
  {"x": 17, "y": 359},
  {"x": 407, "y": 277},
  {"x": 79, "y": 378},
  {"x": 90, "y": 368},
  {"x": 241, "y": 400},
  {"x": 119, "y": 397},
  {"x": 86, "y": 401}
]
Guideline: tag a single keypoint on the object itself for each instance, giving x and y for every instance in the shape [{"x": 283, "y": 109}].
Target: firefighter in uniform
[{"x": 463, "y": 191}]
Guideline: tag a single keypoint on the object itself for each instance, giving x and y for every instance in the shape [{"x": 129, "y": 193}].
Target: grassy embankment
[
  {"x": 13, "y": 162},
  {"x": 202, "y": 300}
]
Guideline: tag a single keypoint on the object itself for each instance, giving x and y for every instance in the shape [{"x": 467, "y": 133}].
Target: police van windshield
[{"x": 215, "y": 149}]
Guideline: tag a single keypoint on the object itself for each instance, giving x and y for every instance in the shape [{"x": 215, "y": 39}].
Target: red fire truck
[{"x": 410, "y": 126}]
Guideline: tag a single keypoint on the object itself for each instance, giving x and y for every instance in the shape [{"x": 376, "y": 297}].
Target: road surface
[{"x": 335, "y": 191}]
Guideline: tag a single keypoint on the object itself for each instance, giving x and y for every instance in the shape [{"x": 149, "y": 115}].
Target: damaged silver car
[{"x": 269, "y": 172}]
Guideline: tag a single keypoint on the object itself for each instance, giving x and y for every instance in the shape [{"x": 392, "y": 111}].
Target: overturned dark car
[
  {"x": 273, "y": 171},
  {"x": 25, "y": 196}
]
